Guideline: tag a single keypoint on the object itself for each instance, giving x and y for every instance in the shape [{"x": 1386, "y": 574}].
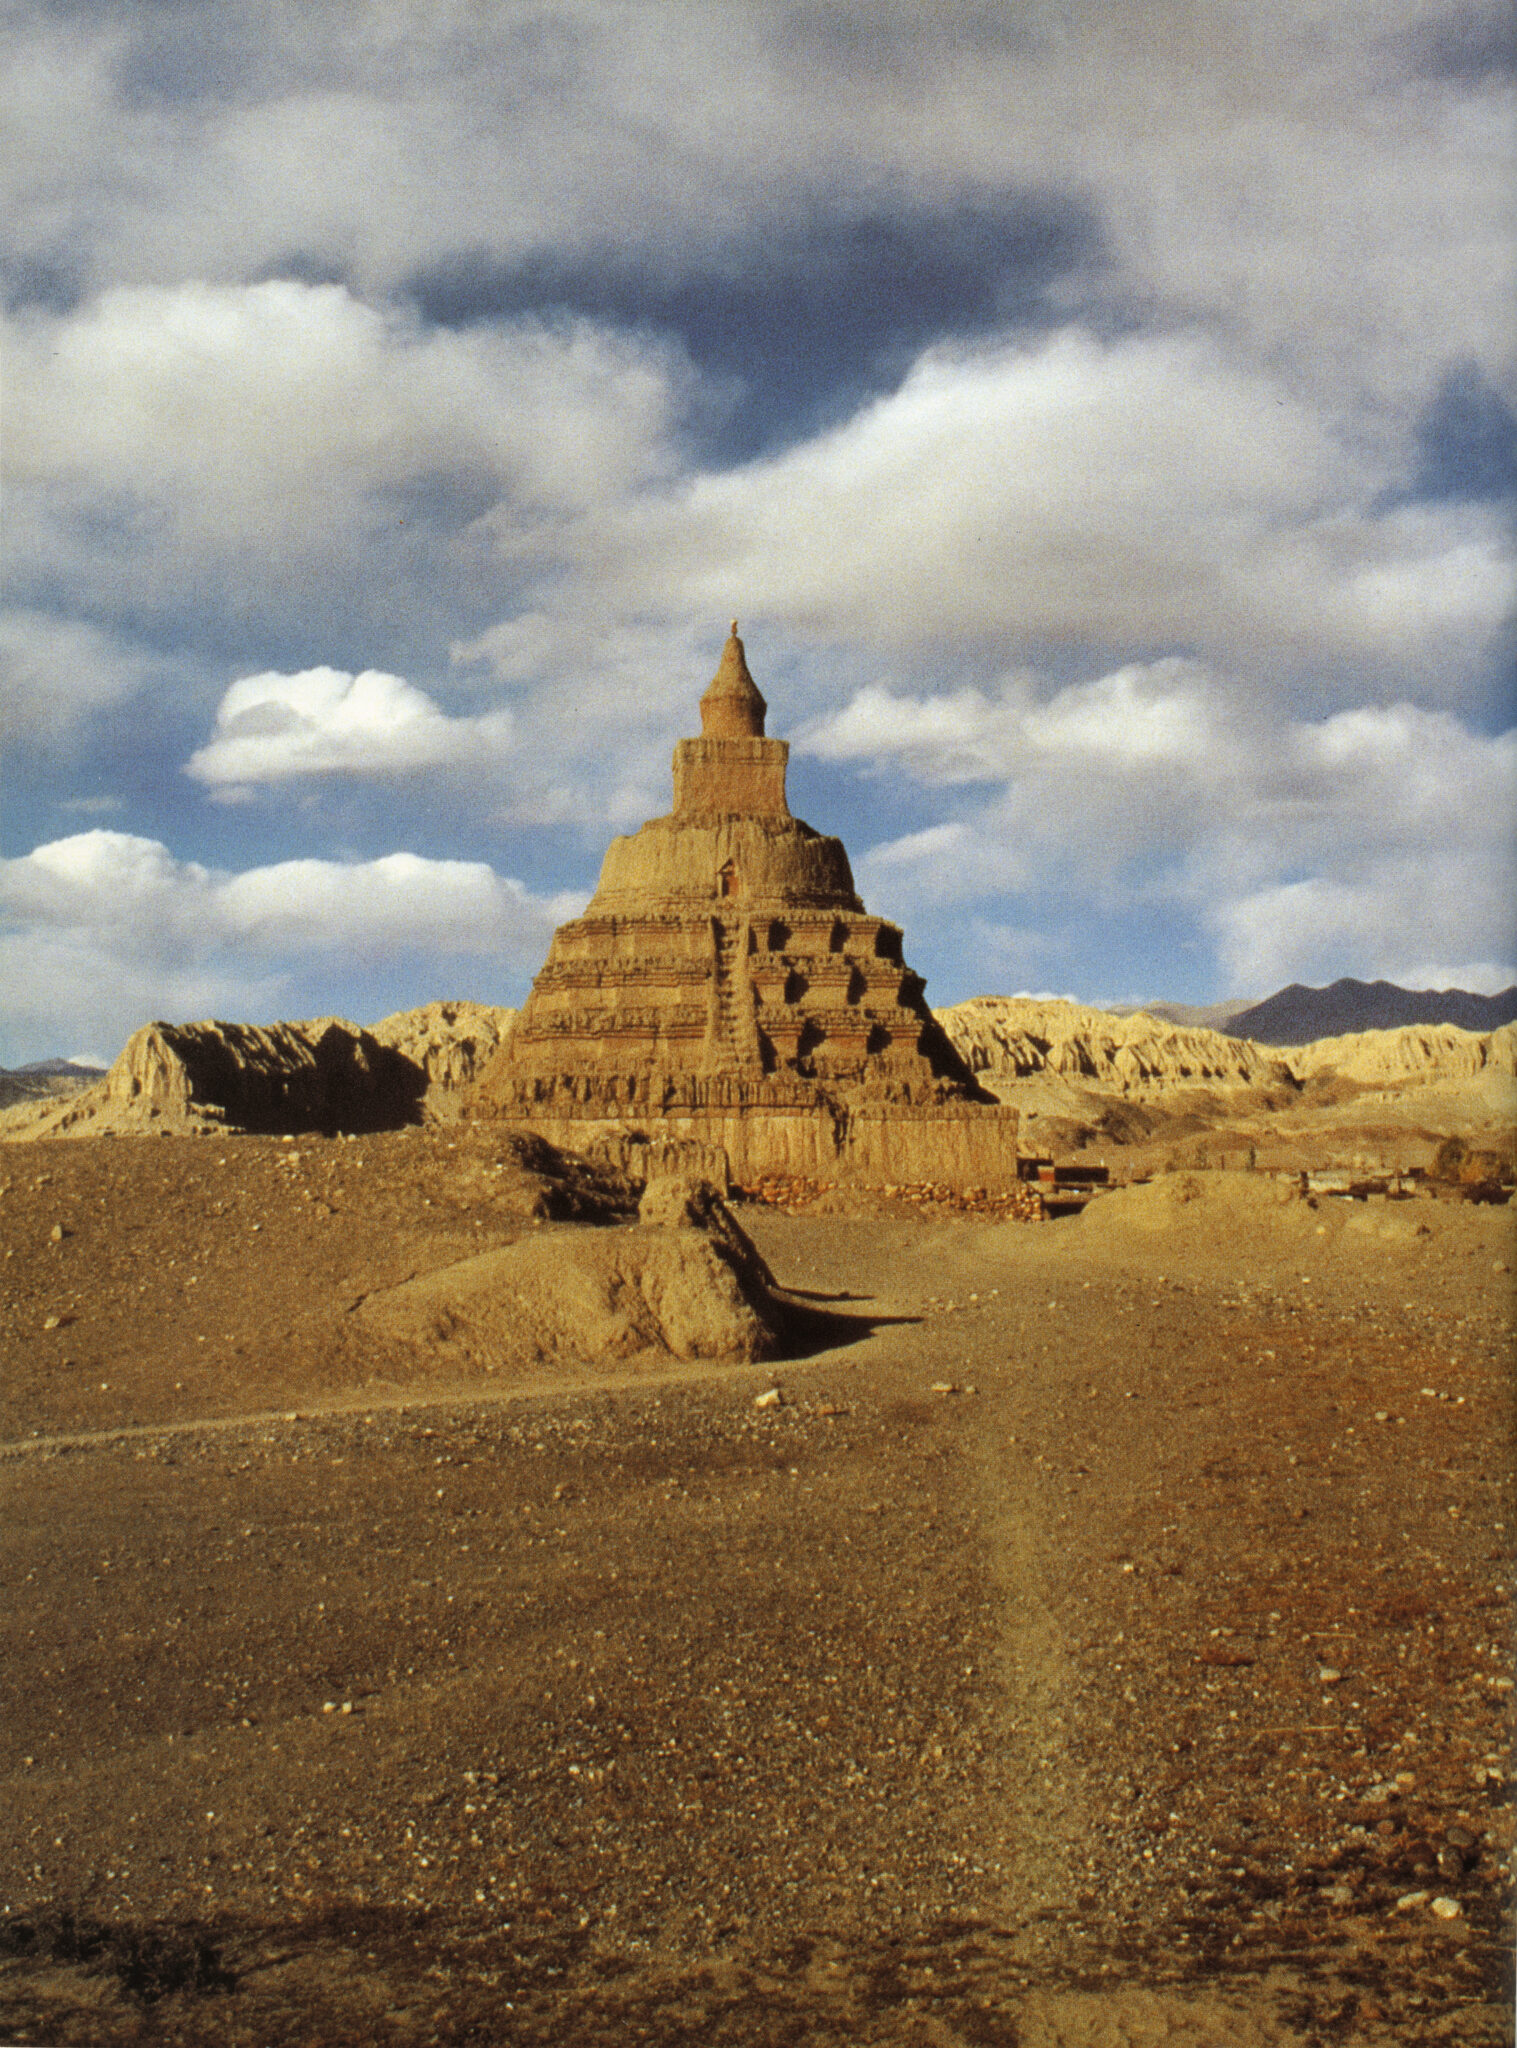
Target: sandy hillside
[{"x": 1099, "y": 1632}]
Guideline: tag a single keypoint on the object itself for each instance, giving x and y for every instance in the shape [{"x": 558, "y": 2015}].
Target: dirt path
[{"x": 627, "y": 1711}]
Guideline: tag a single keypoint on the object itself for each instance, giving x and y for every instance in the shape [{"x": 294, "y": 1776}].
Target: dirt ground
[{"x": 1106, "y": 1639}]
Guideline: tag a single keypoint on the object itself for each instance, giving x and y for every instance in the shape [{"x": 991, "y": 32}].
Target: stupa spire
[{"x": 732, "y": 708}]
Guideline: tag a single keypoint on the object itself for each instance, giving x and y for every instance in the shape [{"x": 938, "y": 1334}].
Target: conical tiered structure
[{"x": 727, "y": 985}]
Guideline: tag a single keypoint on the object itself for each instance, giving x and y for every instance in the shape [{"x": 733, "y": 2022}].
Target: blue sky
[{"x": 1103, "y": 421}]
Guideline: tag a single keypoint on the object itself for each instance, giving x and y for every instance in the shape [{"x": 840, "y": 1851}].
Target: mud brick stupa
[{"x": 726, "y": 986}]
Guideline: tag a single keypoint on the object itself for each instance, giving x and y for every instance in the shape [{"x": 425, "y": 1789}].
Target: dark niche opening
[{"x": 812, "y": 1036}]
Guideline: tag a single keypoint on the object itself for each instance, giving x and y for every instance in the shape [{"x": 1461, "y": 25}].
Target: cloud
[
  {"x": 272, "y": 728},
  {"x": 399, "y": 902},
  {"x": 1081, "y": 405},
  {"x": 103, "y": 930},
  {"x": 55, "y": 671},
  {"x": 218, "y": 452},
  {"x": 1323, "y": 188},
  {"x": 1379, "y": 926},
  {"x": 1151, "y": 492},
  {"x": 821, "y": 312},
  {"x": 1367, "y": 842}
]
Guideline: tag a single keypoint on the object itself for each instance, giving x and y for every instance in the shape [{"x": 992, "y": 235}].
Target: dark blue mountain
[{"x": 1296, "y": 1015}]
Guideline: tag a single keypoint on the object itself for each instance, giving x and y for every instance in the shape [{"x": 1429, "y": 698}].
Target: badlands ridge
[{"x": 1084, "y": 1081}]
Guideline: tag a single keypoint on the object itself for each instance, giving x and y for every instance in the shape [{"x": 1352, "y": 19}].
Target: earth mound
[
  {"x": 685, "y": 1284},
  {"x": 1262, "y": 1216},
  {"x": 1209, "y": 1202}
]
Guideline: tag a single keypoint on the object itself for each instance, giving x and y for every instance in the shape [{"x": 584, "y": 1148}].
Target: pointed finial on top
[{"x": 732, "y": 707}]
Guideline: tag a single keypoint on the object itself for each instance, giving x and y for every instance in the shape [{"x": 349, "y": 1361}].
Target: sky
[{"x": 1102, "y": 418}]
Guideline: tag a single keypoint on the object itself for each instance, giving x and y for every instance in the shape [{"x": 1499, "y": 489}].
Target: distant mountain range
[
  {"x": 1296, "y": 1015},
  {"x": 44, "y": 1077}
]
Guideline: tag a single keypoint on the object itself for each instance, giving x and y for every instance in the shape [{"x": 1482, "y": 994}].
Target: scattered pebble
[
  {"x": 770, "y": 1398},
  {"x": 1447, "y": 1909}
]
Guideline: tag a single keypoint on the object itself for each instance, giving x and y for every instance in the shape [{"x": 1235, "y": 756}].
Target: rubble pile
[{"x": 795, "y": 1194}]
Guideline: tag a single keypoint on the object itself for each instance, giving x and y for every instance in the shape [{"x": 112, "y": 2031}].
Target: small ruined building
[{"x": 727, "y": 986}]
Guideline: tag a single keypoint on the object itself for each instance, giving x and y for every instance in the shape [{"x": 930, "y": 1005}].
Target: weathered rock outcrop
[
  {"x": 1006, "y": 1039},
  {"x": 1011, "y": 1041},
  {"x": 325, "y": 1074},
  {"x": 1415, "y": 1053},
  {"x": 727, "y": 986},
  {"x": 451, "y": 1043}
]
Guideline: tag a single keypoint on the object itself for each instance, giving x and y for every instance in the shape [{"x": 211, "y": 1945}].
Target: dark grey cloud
[
  {"x": 53, "y": 284},
  {"x": 1466, "y": 443},
  {"x": 187, "y": 55},
  {"x": 802, "y": 326},
  {"x": 885, "y": 42},
  {"x": 1469, "y": 45}
]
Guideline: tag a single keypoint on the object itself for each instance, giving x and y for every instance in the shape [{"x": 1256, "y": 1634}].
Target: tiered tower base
[{"x": 726, "y": 987}]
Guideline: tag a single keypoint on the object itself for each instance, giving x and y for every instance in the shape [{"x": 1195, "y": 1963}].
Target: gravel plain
[{"x": 1106, "y": 1636}]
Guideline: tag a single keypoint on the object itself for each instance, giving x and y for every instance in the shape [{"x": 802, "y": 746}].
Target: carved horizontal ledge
[{"x": 610, "y": 1025}]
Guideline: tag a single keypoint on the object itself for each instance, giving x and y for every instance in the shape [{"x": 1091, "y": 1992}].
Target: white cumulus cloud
[
  {"x": 1370, "y": 841},
  {"x": 287, "y": 447},
  {"x": 271, "y": 728},
  {"x": 103, "y": 930},
  {"x": 1155, "y": 491}
]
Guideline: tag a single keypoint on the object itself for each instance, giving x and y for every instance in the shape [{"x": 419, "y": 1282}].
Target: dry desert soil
[{"x": 1104, "y": 1640}]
